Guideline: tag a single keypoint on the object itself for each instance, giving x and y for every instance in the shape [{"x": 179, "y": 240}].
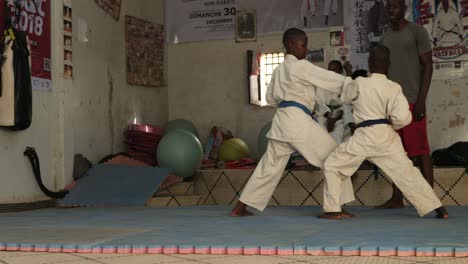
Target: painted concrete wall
[
  {"x": 102, "y": 101},
  {"x": 207, "y": 85},
  {"x": 447, "y": 107},
  {"x": 85, "y": 115}
]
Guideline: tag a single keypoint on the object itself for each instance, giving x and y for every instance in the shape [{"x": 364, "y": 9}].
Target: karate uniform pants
[
  {"x": 261, "y": 185},
  {"x": 340, "y": 165}
]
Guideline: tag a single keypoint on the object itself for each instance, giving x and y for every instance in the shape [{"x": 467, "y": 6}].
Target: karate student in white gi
[
  {"x": 332, "y": 114},
  {"x": 447, "y": 29},
  {"x": 379, "y": 108},
  {"x": 292, "y": 90}
]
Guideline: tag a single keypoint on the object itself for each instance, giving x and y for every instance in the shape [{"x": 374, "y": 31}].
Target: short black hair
[
  {"x": 335, "y": 62},
  {"x": 379, "y": 57},
  {"x": 291, "y": 34},
  {"x": 359, "y": 73}
]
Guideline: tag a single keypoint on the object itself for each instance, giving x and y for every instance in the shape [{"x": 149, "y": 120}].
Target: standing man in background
[{"x": 411, "y": 57}]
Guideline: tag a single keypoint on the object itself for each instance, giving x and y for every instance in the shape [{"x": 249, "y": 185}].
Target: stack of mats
[
  {"x": 116, "y": 185},
  {"x": 142, "y": 141}
]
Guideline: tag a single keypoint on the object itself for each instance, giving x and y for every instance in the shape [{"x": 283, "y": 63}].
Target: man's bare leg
[
  {"x": 425, "y": 164},
  {"x": 240, "y": 210},
  {"x": 395, "y": 202}
]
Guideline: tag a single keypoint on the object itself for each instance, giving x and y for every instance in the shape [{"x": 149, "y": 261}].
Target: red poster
[{"x": 33, "y": 18}]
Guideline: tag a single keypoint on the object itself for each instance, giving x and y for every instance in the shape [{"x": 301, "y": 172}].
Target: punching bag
[{"x": 16, "y": 90}]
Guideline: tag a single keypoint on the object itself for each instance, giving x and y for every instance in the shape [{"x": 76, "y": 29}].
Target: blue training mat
[{"x": 115, "y": 185}]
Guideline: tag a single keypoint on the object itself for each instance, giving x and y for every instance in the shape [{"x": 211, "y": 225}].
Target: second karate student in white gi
[
  {"x": 379, "y": 108},
  {"x": 292, "y": 90}
]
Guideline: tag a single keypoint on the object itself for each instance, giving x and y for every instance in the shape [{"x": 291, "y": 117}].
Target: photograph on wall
[
  {"x": 67, "y": 26},
  {"x": 67, "y": 39},
  {"x": 112, "y": 7},
  {"x": 187, "y": 21},
  {"x": 67, "y": 42},
  {"x": 246, "y": 27},
  {"x": 315, "y": 55},
  {"x": 68, "y": 58},
  {"x": 337, "y": 38},
  {"x": 68, "y": 71},
  {"x": 67, "y": 12},
  {"x": 144, "y": 43}
]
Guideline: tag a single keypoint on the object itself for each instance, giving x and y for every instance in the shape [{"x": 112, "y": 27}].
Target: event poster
[
  {"x": 33, "y": 17},
  {"x": 446, "y": 22},
  {"x": 198, "y": 20}
]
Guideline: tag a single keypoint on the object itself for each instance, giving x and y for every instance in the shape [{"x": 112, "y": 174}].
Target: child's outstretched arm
[{"x": 318, "y": 77}]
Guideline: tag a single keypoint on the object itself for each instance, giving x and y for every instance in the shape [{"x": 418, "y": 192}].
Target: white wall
[
  {"x": 78, "y": 116},
  {"x": 447, "y": 107},
  {"x": 102, "y": 101}
]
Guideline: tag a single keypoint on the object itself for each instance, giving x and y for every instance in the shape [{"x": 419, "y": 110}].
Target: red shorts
[{"x": 414, "y": 137}]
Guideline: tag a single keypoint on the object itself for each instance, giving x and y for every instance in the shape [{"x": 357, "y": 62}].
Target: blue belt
[
  {"x": 306, "y": 110},
  {"x": 373, "y": 122}
]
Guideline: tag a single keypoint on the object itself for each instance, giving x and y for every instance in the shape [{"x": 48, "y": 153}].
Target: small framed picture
[
  {"x": 68, "y": 71},
  {"x": 67, "y": 42},
  {"x": 67, "y": 13},
  {"x": 336, "y": 38},
  {"x": 246, "y": 26}
]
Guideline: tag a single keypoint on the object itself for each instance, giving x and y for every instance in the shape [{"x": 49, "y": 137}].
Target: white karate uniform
[
  {"x": 292, "y": 129},
  {"x": 447, "y": 27},
  {"x": 376, "y": 97},
  {"x": 330, "y": 5},
  {"x": 308, "y": 8}
]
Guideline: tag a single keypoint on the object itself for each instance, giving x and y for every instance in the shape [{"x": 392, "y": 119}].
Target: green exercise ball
[
  {"x": 233, "y": 149},
  {"x": 181, "y": 124},
  {"x": 262, "y": 140},
  {"x": 181, "y": 151}
]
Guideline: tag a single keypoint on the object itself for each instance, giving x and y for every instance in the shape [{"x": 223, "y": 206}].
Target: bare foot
[
  {"x": 333, "y": 216},
  {"x": 240, "y": 210},
  {"x": 391, "y": 204},
  {"x": 346, "y": 214},
  {"x": 441, "y": 213},
  {"x": 241, "y": 213}
]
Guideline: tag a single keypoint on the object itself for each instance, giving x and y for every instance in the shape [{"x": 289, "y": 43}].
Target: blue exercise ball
[
  {"x": 262, "y": 140},
  {"x": 181, "y": 124},
  {"x": 181, "y": 151}
]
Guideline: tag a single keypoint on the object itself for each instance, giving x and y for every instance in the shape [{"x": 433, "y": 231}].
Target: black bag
[{"x": 455, "y": 155}]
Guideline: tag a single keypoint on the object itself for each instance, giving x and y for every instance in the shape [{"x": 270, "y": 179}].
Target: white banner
[
  {"x": 197, "y": 20},
  {"x": 365, "y": 21}
]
